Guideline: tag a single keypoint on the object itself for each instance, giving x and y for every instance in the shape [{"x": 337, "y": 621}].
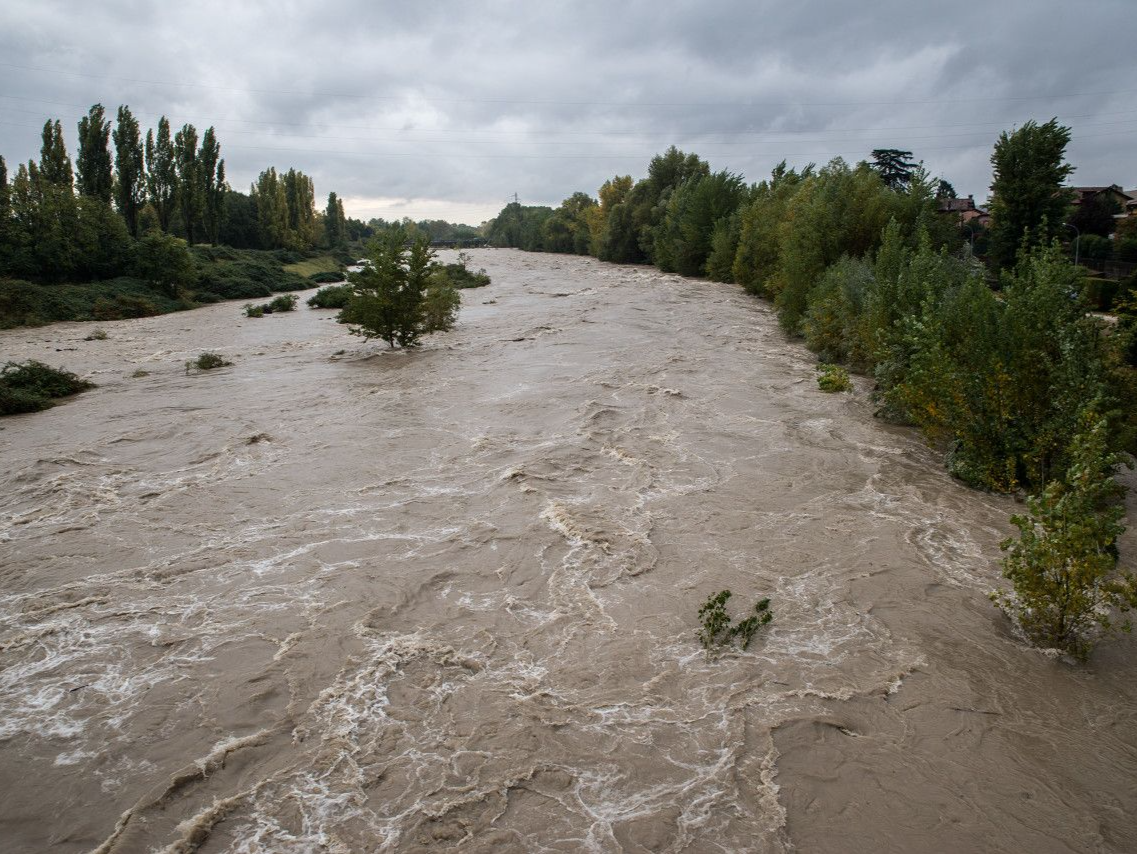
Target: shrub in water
[
  {"x": 1063, "y": 566},
  {"x": 207, "y": 361},
  {"x": 335, "y": 296},
  {"x": 833, "y": 378},
  {"x": 717, "y": 630},
  {"x": 32, "y": 386},
  {"x": 254, "y": 310},
  {"x": 284, "y": 302}
]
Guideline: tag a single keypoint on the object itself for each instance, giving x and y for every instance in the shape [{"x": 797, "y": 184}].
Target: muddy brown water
[{"x": 446, "y": 600}]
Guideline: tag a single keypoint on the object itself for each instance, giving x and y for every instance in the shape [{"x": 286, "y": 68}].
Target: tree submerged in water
[
  {"x": 402, "y": 294},
  {"x": 718, "y": 628},
  {"x": 1063, "y": 566}
]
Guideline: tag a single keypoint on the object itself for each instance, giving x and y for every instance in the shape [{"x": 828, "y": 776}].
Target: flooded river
[{"x": 336, "y": 599}]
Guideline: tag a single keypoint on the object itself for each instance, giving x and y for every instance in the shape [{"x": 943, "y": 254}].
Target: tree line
[
  {"x": 997, "y": 364},
  {"x": 82, "y": 221}
]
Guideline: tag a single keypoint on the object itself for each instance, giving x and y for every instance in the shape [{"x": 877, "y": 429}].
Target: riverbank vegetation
[
  {"x": 33, "y": 386},
  {"x": 996, "y": 363},
  {"x": 150, "y": 225}
]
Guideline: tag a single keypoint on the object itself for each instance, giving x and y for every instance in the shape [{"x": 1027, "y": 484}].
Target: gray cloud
[{"x": 446, "y": 109}]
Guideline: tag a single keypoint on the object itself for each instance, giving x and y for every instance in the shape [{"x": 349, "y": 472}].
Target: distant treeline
[
  {"x": 65, "y": 222},
  {"x": 997, "y": 365}
]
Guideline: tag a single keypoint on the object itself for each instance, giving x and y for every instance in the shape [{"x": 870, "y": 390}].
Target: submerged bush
[
  {"x": 284, "y": 302},
  {"x": 1063, "y": 564},
  {"x": 833, "y": 378},
  {"x": 32, "y": 386},
  {"x": 461, "y": 276},
  {"x": 335, "y": 296},
  {"x": 207, "y": 361},
  {"x": 717, "y": 630}
]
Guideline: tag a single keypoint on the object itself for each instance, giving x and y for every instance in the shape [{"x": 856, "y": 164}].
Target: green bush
[
  {"x": 461, "y": 276},
  {"x": 32, "y": 386},
  {"x": 254, "y": 310},
  {"x": 325, "y": 277},
  {"x": 284, "y": 302},
  {"x": 1063, "y": 564},
  {"x": 335, "y": 296},
  {"x": 207, "y": 361},
  {"x": 833, "y": 378}
]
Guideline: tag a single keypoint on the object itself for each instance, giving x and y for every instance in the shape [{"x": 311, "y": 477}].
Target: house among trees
[
  {"x": 1111, "y": 195},
  {"x": 966, "y": 210},
  {"x": 1131, "y": 205}
]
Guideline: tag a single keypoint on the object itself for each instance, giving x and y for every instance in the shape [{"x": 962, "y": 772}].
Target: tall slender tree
[
  {"x": 335, "y": 230},
  {"x": 93, "y": 161},
  {"x": 190, "y": 200},
  {"x": 5, "y": 218},
  {"x": 54, "y": 164},
  {"x": 161, "y": 173},
  {"x": 211, "y": 172},
  {"x": 130, "y": 186}
]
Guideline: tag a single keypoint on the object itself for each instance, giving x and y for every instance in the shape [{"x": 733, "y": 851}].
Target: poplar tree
[
  {"x": 130, "y": 188},
  {"x": 161, "y": 173},
  {"x": 93, "y": 162},
  {"x": 334, "y": 222},
  {"x": 54, "y": 164},
  {"x": 211, "y": 172},
  {"x": 272, "y": 210},
  {"x": 5, "y": 216},
  {"x": 189, "y": 179}
]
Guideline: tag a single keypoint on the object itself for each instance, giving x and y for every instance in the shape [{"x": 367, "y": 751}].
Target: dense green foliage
[
  {"x": 32, "y": 386},
  {"x": 1063, "y": 566},
  {"x": 833, "y": 378},
  {"x": 401, "y": 294},
  {"x": 1029, "y": 202},
  {"x": 335, "y": 296}
]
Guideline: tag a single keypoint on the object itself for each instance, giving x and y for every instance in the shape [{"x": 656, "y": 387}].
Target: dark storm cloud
[{"x": 457, "y": 106}]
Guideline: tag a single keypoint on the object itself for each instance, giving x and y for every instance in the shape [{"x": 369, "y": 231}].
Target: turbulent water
[{"x": 338, "y": 599}]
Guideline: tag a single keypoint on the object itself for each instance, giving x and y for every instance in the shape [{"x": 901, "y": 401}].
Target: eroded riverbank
[{"x": 447, "y": 599}]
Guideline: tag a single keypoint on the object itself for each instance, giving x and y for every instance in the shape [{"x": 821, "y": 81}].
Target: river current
[{"x": 340, "y": 599}]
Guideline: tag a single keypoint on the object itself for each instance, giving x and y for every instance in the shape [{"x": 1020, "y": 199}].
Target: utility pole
[{"x": 516, "y": 200}]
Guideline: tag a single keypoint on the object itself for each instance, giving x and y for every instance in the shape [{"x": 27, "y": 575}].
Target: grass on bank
[{"x": 310, "y": 267}]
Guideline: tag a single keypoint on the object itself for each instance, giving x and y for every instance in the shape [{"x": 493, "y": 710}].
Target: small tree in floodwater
[
  {"x": 402, "y": 294},
  {"x": 1063, "y": 566}
]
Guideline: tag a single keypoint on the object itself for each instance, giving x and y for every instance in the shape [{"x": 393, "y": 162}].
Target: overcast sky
[{"x": 446, "y": 109}]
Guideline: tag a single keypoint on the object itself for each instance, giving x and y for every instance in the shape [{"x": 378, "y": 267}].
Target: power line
[
  {"x": 217, "y": 121},
  {"x": 558, "y": 102}
]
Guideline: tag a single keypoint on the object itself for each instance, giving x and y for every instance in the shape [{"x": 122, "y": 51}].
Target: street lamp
[{"x": 1077, "y": 240}]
